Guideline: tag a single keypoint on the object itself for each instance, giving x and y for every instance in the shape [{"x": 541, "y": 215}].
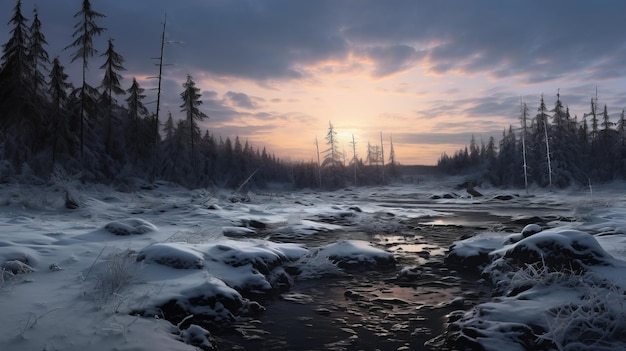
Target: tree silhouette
[
  {"x": 137, "y": 111},
  {"x": 58, "y": 87},
  {"x": 84, "y": 32},
  {"x": 332, "y": 154},
  {"x": 111, "y": 85},
  {"x": 18, "y": 111},
  {"x": 191, "y": 101}
]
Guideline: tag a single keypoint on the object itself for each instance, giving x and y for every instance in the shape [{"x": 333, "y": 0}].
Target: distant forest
[
  {"x": 549, "y": 148},
  {"x": 50, "y": 128}
]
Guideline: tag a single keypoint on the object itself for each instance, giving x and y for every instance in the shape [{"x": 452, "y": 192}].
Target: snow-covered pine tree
[
  {"x": 84, "y": 32},
  {"x": 191, "y": 102},
  {"x": 112, "y": 65},
  {"x": 138, "y": 112},
  {"x": 58, "y": 87},
  {"x": 37, "y": 55},
  {"x": 17, "y": 110},
  {"x": 332, "y": 155}
]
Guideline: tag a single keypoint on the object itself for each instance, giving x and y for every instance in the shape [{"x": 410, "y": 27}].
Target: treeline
[
  {"x": 105, "y": 132},
  {"x": 336, "y": 169},
  {"x": 549, "y": 148}
]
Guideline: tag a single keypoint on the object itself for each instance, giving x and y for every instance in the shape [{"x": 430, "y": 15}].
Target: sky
[{"x": 428, "y": 75}]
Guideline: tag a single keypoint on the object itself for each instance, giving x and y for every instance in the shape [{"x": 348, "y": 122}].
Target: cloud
[
  {"x": 279, "y": 39},
  {"x": 392, "y": 59},
  {"x": 243, "y": 100}
]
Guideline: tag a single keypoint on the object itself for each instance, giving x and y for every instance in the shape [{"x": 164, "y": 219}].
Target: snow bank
[
  {"x": 175, "y": 255},
  {"x": 130, "y": 226},
  {"x": 355, "y": 253},
  {"x": 553, "y": 289}
]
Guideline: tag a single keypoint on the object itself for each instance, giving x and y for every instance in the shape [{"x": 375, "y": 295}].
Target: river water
[
  {"x": 371, "y": 309},
  {"x": 377, "y": 309}
]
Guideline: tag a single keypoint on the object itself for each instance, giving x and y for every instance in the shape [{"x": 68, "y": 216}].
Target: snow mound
[
  {"x": 130, "y": 226},
  {"x": 472, "y": 254},
  {"x": 553, "y": 289},
  {"x": 197, "y": 336},
  {"x": 175, "y": 255},
  {"x": 210, "y": 301},
  {"x": 237, "y": 231},
  {"x": 557, "y": 249},
  {"x": 355, "y": 253},
  {"x": 261, "y": 254},
  {"x": 308, "y": 227}
]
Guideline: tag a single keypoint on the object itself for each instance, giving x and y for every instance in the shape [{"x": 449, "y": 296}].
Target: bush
[{"x": 120, "y": 269}]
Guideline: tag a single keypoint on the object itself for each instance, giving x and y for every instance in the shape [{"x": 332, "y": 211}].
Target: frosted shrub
[
  {"x": 539, "y": 275},
  {"x": 120, "y": 269},
  {"x": 316, "y": 265},
  {"x": 597, "y": 322},
  {"x": 196, "y": 237}
]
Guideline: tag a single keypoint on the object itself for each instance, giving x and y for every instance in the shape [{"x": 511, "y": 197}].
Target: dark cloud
[
  {"x": 534, "y": 40},
  {"x": 392, "y": 59},
  {"x": 243, "y": 100},
  {"x": 569, "y": 44}
]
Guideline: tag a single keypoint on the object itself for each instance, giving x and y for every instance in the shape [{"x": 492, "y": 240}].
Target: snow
[
  {"x": 579, "y": 305},
  {"x": 92, "y": 289},
  {"x": 355, "y": 252},
  {"x": 119, "y": 254}
]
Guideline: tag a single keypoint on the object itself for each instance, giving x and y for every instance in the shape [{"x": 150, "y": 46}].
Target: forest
[
  {"x": 50, "y": 128},
  {"x": 104, "y": 131},
  {"x": 549, "y": 149}
]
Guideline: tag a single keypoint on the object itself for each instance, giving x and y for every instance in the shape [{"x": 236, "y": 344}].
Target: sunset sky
[{"x": 430, "y": 74}]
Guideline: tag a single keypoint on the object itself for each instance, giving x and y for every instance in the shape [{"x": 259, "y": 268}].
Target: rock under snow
[
  {"x": 356, "y": 253},
  {"x": 175, "y": 255},
  {"x": 557, "y": 249},
  {"x": 130, "y": 226}
]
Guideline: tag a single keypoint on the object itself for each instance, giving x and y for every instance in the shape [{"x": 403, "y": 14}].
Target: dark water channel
[{"x": 373, "y": 309}]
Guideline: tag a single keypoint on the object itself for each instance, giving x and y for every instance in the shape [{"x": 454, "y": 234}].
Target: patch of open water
[{"x": 368, "y": 309}]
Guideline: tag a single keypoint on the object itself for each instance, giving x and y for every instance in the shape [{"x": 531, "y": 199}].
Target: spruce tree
[
  {"x": 333, "y": 156},
  {"x": 84, "y": 32},
  {"x": 191, "y": 102},
  {"x": 18, "y": 111},
  {"x": 37, "y": 55},
  {"x": 14, "y": 69},
  {"x": 111, "y": 85},
  {"x": 58, "y": 87},
  {"x": 137, "y": 111}
]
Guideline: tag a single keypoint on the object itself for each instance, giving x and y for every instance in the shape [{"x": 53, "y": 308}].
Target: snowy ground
[{"x": 77, "y": 279}]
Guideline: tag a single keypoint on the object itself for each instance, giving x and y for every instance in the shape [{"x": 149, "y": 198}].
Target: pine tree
[
  {"x": 191, "y": 101},
  {"x": 111, "y": 85},
  {"x": 14, "y": 70},
  {"x": 137, "y": 111},
  {"x": 37, "y": 55},
  {"x": 393, "y": 162},
  {"x": 332, "y": 154},
  {"x": 621, "y": 128},
  {"x": 18, "y": 111},
  {"x": 84, "y": 32},
  {"x": 58, "y": 87}
]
